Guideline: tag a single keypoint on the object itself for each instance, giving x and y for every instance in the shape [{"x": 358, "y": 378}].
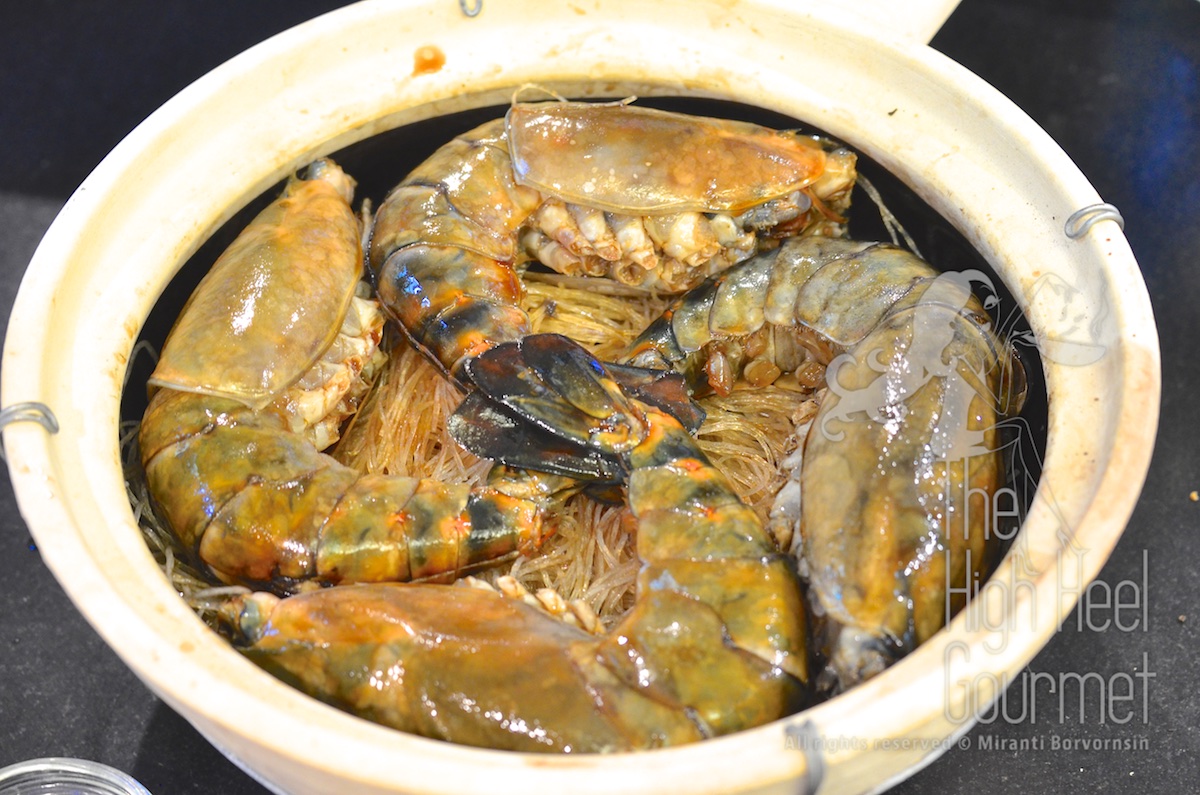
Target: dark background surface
[{"x": 1116, "y": 84}]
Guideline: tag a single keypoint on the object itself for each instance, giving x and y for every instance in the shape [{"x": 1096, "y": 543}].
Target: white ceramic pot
[{"x": 338, "y": 79}]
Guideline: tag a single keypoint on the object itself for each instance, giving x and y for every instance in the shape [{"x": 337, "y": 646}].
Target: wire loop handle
[
  {"x": 27, "y": 412},
  {"x": 1082, "y": 220}
]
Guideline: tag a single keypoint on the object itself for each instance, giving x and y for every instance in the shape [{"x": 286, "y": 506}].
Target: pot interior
[{"x": 380, "y": 161}]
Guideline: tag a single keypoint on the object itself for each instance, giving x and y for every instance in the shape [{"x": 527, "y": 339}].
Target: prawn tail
[{"x": 544, "y": 403}]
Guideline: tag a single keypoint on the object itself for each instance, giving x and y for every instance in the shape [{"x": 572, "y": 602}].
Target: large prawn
[
  {"x": 647, "y": 197},
  {"x": 265, "y": 362}
]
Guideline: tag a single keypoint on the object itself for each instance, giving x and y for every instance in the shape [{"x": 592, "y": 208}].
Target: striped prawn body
[{"x": 270, "y": 355}]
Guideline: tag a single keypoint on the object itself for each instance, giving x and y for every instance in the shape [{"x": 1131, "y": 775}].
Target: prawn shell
[
  {"x": 354, "y": 647},
  {"x": 846, "y": 297},
  {"x": 284, "y": 284},
  {"x": 753, "y": 596},
  {"x": 463, "y": 196},
  {"x": 668, "y": 636},
  {"x": 882, "y": 549},
  {"x": 637, "y": 160}
]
